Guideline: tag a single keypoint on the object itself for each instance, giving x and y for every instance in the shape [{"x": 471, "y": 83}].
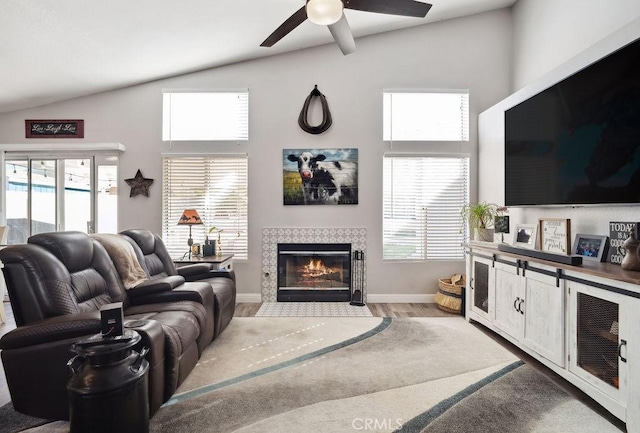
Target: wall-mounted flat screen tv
[{"x": 578, "y": 142}]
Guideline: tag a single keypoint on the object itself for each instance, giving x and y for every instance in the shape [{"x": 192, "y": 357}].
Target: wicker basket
[{"x": 450, "y": 295}]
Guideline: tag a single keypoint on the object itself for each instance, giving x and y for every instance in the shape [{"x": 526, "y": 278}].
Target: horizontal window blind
[
  {"x": 217, "y": 187},
  {"x": 422, "y": 199},
  {"x": 426, "y": 116},
  {"x": 198, "y": 116}
]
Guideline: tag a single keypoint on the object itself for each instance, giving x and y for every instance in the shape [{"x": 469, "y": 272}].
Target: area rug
[
  {"x": 312, "y": 309},
  {"x": 297, "y": 375}
]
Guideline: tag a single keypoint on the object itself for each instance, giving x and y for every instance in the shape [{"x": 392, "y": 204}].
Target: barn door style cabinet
[
  {"x": 583, "y": 322},
  {"x": 482, "y": 281}
]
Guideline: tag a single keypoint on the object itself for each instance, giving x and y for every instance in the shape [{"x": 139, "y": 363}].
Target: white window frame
[
  {"x": 220, "y": 196},
  {"x": 205, "y": 115},
  {"x": 440, "y": 115},
  {"x": 418, "y": 224}
]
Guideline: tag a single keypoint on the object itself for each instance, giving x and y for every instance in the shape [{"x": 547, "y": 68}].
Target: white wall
[
  {"x": 593, "y": 220},
  {"x": 471, "y": 53},
  {"x": 546, "y": 33}
]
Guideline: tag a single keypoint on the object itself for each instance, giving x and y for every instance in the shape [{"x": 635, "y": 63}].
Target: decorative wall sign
[
  {"x": 554, "y": 235},
  {"x": 320, "y": 176},
  {"x": 618, "y": 233},
  {"x": 591, "y": 247},
  {"x": 54, "y": 128},
  {"x": 139, "y": 185}
]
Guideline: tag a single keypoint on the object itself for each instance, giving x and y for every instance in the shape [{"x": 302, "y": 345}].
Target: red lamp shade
[{"x": 190, "y": 217}]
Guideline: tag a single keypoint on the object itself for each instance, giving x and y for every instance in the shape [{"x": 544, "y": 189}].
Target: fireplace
[{"x": 314, "y": 272}]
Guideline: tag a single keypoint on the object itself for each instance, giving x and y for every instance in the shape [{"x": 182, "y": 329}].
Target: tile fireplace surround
[{"x": 271, "y": 237}]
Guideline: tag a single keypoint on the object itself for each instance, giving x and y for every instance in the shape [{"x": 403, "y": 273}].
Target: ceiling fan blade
[
  {"x": 341, "y": 32},
  {"x": 291, "y": 23},
  {"x": 407, "y": 8}
]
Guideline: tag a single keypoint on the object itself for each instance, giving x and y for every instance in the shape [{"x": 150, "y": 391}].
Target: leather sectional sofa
[{"x": 57, "y": 283}]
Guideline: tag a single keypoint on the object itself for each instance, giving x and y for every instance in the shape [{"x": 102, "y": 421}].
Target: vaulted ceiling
[{"x": 57, "y": 50}]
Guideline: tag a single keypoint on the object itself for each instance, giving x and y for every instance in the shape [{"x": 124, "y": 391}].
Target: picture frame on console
[
  {"x": 554, "y": 235},
  {"x": 591, "y": 247},
  {"x": 501, "y": 226},
  {"x": 525, "y": 236}
]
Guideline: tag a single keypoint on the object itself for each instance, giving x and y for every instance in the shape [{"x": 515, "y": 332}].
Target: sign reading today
[{"x": 618, "y": 233}]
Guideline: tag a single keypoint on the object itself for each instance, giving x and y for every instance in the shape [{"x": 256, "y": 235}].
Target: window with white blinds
[
  {"x": 422, "y": 199},
  {"x": 216, "y": 187},
  {"x": 199, "y": 116},
  {"x": 426, "y": 116}
]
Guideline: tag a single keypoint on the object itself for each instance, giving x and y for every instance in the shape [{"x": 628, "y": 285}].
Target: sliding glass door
[{"x": 45, "y": 194}]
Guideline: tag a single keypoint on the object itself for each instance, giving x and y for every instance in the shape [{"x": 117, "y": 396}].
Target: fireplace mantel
[{"x": 271, "y": 237}]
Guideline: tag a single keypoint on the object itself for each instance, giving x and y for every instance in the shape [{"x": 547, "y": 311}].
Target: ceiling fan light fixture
[{"x": 324, "y": 12}]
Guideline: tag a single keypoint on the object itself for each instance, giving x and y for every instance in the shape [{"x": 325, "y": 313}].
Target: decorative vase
[
  {"x": 485, "y": 235},
  {"x": 631, "y": 260}
]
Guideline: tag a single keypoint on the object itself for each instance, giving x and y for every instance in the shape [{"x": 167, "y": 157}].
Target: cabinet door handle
[
  {"x": 622, "y": 343},
  {"x": 515, "y": 307},
  {"x": 520, "y": 306}
]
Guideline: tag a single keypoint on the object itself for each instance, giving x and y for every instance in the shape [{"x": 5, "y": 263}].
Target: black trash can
[{"x": 108, "y": 392}]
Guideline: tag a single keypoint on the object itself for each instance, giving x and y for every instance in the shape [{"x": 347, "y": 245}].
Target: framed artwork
[
  {"x": 320, "y": 176},
  {"x": 525, "y": 236},
  {"x": 54, "y": 128},
  {"x": 501, "y": 224},
  {"x": 591, "y": 247},
  {"x": 554, "y": 235}
]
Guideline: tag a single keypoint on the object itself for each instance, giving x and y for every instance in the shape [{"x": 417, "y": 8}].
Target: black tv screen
[{"x": 578, "y": 142}]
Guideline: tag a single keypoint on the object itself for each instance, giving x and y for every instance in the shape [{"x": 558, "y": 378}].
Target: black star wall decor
[{"x": 139, "y": 185}]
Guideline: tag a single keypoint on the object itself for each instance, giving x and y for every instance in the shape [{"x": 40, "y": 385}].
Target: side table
[{"x": 224, "y": 261}]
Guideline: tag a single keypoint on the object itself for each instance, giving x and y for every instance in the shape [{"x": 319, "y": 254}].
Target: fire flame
[{"x": 316, "y": 268}]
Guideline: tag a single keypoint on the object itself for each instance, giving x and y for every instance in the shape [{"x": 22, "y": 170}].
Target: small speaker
[
  {"x": 209, "y": 249},
  {"x": 111, "y": 318}
]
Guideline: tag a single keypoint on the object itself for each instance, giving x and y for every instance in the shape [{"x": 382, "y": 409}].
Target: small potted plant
[
  {"x": 217, "y": 243},
  {"x": 480, "y": 217}
]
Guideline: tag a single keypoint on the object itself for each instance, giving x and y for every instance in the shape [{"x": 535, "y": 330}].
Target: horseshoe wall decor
[{"x": 326, "y": 114}]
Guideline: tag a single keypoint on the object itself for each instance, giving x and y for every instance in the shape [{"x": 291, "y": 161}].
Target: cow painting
[{"x": 327, "y": 176}]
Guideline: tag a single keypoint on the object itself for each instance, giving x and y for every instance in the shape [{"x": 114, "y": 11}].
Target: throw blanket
[{"x": 124, "y": 257}]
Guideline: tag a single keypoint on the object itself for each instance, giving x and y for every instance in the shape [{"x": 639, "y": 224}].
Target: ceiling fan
[{"x": 330, "y": 13}]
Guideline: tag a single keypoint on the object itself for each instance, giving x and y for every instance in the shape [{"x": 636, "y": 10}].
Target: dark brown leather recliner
[
  {"x": 157, "y": 263},
  {"x": 57, "y": 283}
]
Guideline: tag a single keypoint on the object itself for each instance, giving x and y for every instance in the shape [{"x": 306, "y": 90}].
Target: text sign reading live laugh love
[{"x": 54, "y": 128}]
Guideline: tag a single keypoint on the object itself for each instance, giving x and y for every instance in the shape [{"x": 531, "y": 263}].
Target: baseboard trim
[
  {"x": 400, "y": 299},
  {"x": 248, "y": 298},
  {"x": 256, "y": 298}
]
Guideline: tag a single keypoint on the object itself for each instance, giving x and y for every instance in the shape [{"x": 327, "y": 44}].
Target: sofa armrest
[
  {"x": 153, "y": 339},
  {"x": 212, "y": 273},
  {"x": 224, "y": 273},
  {"x": 52, "y": 330},
  {"x": 195, "y": 292},
  {"x": 194, "y": 269},
  {"x": 159, "y": 285}
]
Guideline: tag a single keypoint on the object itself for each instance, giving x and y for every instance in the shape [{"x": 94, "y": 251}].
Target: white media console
[{"x": 583, "y": 322}]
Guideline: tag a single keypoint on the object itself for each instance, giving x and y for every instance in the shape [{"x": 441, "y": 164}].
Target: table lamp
[{"x": 190, "y": 218}]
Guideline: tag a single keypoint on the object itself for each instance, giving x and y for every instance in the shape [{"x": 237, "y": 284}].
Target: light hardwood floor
[
  {"x": 383, "y": 310},
  {"x": 378, "y": 310}
]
